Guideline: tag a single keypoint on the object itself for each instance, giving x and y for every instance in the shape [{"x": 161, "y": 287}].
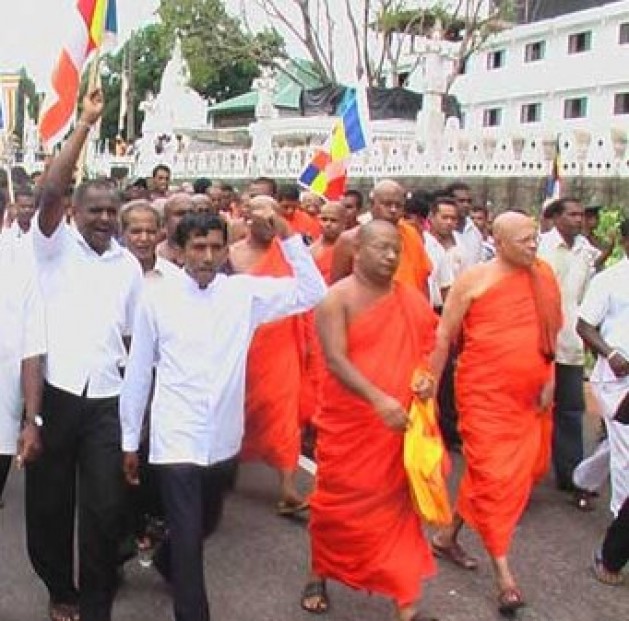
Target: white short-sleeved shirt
[
  {"x": 441, "y": 276},
  {"x": 573, "y": 267},
  {"x": 606, "y": 305},
  {"x": 198, "y": 340},
  {"x": 22, "y": 335},
  {"x": 90, "y": 302},
  {"x": 471, "y": 240}
]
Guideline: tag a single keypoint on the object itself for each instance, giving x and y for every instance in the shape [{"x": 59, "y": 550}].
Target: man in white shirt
[
  {"x": 89, "y": 285},
  {"x": 197, "y": 330},
  {"x": 22, "y": 343},
  {"x": 471, "y": 237},
  {"x": 572, "y": 259},
  {"x": 604, "y": 326}
]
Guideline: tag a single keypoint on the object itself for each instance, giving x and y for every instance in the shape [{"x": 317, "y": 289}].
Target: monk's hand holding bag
[{"x": 426, "y": 462}]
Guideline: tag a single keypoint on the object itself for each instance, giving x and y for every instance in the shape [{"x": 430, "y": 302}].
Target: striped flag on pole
[{"x": 92, "y": 24}]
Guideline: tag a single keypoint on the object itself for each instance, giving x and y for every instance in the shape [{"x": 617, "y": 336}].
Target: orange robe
[
  {"x": 305, "y": 224},
  {"x": 324, "y": 262},
  {"x": 500, "y": 374},
  {"x": 363, "y": 529},
  {"x": 273, "y": 381},
  {"x": 414, "y": 268}
]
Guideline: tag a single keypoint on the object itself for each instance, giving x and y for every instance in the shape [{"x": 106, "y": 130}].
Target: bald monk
[
  {"x": 175, "y": 208},
  {"x": 332, "y": 219},
  {"x": 273, "y": 367},
  {"x": 375, "y": 333},
  {"x": 508, "y": 311},
  {"x": 388, "y": 199}
]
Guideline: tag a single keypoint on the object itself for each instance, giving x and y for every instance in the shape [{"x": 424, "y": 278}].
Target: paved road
[{"x": 256, "y": 563}]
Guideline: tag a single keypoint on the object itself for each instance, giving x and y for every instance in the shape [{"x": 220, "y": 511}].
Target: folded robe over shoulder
[
  {"x": 364, "y": 530},
  {"x": 273, "y": 381},
  {"x": 500, "y": 374},
  {"x": 415, "y": 266}
]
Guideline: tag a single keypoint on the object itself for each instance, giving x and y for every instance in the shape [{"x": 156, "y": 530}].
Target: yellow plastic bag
[{"x": 426, "y": 463}]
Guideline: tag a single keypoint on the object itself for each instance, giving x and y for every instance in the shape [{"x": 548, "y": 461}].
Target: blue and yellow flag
[{"x": 349, "y": 134}]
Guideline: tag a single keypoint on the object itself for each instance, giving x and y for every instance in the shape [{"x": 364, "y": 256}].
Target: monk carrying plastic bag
[{"x": 426, "y": 463}]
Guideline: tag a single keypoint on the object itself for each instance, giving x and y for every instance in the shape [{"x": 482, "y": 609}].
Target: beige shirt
[{"x": 573, "y": 268}]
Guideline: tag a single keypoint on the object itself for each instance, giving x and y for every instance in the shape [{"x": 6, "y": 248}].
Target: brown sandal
[
  {"x": 63, "y": 612},
  {"x": 315, "y": 590},
  {"x": 602, "y": 574},
  {"x": 455, "y": 554}
]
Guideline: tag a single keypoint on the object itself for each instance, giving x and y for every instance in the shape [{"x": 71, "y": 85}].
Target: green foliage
[
  {"x": 26, "y": 88},
  {"x": 610, "y": 219}
]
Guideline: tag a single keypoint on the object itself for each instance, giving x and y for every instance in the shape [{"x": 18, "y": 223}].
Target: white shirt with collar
[
  {"x": 606, "y": 305},
  {"x": 471, "y": 239},
  {"x": 573, "y": 268},
  {"x": 90, "y": 303},
  {"x": 441, "y": 276},
  {"x": 22, "y": 335},
  {"x": 198, "y": 340}
]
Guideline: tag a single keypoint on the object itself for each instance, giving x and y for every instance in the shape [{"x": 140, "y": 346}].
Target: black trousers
[
  {"x": 5, "y": 467},
  {"x": 567, "y": 423},
  {"x": 448, "y": 413},
  {"x": 193, "y": 498},
  {"x": 81, "y": 458},
  {"x": 616, "y": 545}
]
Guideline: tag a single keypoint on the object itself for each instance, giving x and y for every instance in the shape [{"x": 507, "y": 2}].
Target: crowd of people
[{"x": 156, "y": 337}]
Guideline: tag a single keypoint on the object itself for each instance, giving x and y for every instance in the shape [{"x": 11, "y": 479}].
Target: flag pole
[{"x": 91, "y": 85}]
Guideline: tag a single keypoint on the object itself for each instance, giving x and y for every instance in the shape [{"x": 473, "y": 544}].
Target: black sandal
[
  {"x": 509, "y": 601},
  {"x": 317, "y": 591}
]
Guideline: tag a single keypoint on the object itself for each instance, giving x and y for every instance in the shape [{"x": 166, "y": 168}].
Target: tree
[
  {"x": 26, "y": 96},
  {"x": 379, "y": 30}
]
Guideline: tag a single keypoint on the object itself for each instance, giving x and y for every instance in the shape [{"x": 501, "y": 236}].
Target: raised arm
[
  {"x": 331, "y": 323},
  {"x": 59, "y": 175},
  {"x": 274, "y": 298}
]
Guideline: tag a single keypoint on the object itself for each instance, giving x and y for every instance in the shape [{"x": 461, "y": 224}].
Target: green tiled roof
[{"x": 288, "y": 91}]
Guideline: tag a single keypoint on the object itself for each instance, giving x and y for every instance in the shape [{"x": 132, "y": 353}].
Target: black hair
[
  {"x": 288, "y": 193},
  {"x": 160, "y": 167},
  {"x": 268, "y": 181},
  {"x": 194, "y": 224},
  {"x": 358, "y": 195},
  {"x": 441, "y": 199},
  {"x": 94, "y": 184},
  {"x": 419, "y": 203},
  {"x": 201, "y": 184},
  {"x": 140, "y": 183},
  {"x": 23, "y": 190},
  {"x": 558, "y": 206},
  {"x": 624, "y": 228},
  {"x": 482, "y": 208},
  {"x": 226, "y": 187},
  {"x": 453, "y": 187}
]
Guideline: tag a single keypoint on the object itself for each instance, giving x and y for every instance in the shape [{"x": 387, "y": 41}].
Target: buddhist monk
[
  {"x": 332, "y": 219},
  {"x": 273, "y": 367},
  {"x": 414, "y": 267},
  {"x": 375, "y": 332},
  {"x": 508, "y": 312}
]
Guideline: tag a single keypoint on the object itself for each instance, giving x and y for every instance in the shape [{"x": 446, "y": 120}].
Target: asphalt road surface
[{"x": 256, "y": 563}]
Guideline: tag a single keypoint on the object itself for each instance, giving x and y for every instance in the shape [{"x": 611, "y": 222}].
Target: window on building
[
  {"x": 496, "y": 59},
  {"x": 492, "y": 117},
  {"x": 534, "y": 51},
  {"x": 623, "y": 33},
  {"x": 621, "y": 103},
  {"x": 531, "y": 113},
  {"x": 580, "y": 42},
  {"x": 575, "y": 108}
]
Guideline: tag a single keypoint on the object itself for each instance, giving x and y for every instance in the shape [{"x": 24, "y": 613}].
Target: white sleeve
[
  {"x": 34, "y": 339},
  {"x": 273, "y": 298},
  {"x": 595, "y": 304},
  {"x": 136, "y": 386},
  {"x": 444, "y": 276},
  {"x": 135, "y": 292},
  {"x": 46, "y": 248}
]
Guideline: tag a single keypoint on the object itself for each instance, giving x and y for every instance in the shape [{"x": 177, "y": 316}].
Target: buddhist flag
[
  {"x": 91, "y": 24},
  {"x": 326, "y": 174}
]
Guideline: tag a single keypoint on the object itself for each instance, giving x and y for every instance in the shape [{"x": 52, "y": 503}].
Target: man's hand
[
  {"x": 546, "y": 396},
  {"x": 93, "y": 104},
  {"x": 423, "y": 385},
  {"x": 130, "y": 466},
  {"x": 619, "y": 365},
  {"x": 29, "y": 445},
  {"x": 392, "y": 413}
]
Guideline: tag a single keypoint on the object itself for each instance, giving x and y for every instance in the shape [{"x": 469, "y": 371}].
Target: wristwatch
[{"x": 36, "y": 420}]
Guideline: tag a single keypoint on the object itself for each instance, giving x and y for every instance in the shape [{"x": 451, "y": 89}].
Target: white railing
[{"x": 457, "y": 155}]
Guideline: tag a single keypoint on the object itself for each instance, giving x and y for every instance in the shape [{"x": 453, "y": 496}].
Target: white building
[{"x": 557, "y": 75}]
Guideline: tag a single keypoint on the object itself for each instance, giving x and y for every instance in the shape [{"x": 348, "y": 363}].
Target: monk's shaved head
[
  {"x": 262, "y": 202},
  {"x": 375, "y": 228},
  {"x": 335, "y": 209},
  {"x": 387, "y": 201},
  {"x": 385, "y": 187},
  {"x": 510, "y": 223},
  {"x": 516, "y": 238}
]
